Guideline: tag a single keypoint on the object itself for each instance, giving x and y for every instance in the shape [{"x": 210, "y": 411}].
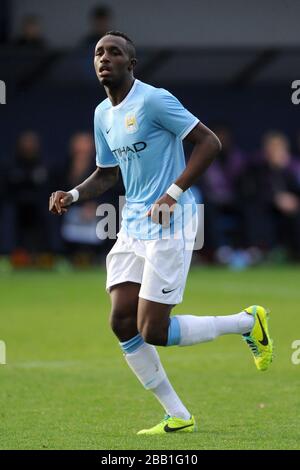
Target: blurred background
[{"x": 231, "y": 63}]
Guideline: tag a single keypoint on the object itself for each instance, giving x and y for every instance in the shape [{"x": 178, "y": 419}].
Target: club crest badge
[{"x": 131, "y": 124}]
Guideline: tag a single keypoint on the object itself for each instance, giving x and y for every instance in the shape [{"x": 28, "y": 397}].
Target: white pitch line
[{"x": 44, "y": 364}]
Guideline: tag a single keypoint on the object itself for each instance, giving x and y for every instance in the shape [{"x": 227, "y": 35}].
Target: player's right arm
[
  {"x": 104, "y": 177},
  {"x": 96, "y": 184}
]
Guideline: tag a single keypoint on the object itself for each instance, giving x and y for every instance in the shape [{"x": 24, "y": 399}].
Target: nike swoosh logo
[
  {"x": 164, "y": 291},
  {"x": 264, "y": 340},
  {"x": 167, "y": 429},
  {"x": 108, "y": 130}
]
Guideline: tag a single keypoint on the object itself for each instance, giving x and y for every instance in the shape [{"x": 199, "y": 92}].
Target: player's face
[{"x": 112, "y": 62}]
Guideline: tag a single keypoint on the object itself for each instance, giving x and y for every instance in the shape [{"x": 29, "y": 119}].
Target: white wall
[{"x": 174, "y": 22}]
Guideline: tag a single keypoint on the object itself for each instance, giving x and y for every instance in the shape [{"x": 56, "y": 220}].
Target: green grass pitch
[{"x": 66, "y": 384}]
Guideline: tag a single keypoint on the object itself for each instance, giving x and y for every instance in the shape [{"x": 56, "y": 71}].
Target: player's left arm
[{"x": 206, "y": 147}]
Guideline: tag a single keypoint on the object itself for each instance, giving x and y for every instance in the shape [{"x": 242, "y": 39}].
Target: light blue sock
[
  {"x": 174, "y": 334},
  {"x": 144, "y": 362},
  {"x": 186, "y": 330},
  {"x": 132, "y": 344}
]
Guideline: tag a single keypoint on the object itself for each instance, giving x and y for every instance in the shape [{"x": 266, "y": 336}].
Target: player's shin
[
  {"x": 145, "y": 363},
  {"x": 186, "y": 330}
]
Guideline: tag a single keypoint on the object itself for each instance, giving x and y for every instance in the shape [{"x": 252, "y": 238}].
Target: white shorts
[{"x": 160, "y": 266}]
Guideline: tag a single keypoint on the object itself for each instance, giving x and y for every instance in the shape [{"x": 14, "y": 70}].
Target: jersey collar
[{"x": 118, "y": 106}]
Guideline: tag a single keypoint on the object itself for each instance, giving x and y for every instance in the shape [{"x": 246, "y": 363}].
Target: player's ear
[{"x": 133, "y": 63}]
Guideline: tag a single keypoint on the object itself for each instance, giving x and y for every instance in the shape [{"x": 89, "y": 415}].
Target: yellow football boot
[
  {"x": 171, "y": 424},
  {"x": 258, "y": 339}
]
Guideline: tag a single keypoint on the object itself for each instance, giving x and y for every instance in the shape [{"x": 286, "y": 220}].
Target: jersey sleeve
[
  {"x": 167, "y": 112},
  {"x": 104, "y": 156}
]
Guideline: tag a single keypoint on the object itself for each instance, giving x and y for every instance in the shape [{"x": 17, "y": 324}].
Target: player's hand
[
  {"x": 162, "y": 210},
  {"x": 59, "y": 201}
]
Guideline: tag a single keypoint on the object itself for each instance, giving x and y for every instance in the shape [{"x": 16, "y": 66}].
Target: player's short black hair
[{"x": 130, "y": 43}]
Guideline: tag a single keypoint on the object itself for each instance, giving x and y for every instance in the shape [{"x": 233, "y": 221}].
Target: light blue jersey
[{"x": 143, "y": 135}]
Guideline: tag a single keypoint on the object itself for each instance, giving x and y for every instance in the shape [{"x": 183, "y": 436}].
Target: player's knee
[
  {"x": 153, "y": 334},
  {"x": 123, "y": 326}
]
